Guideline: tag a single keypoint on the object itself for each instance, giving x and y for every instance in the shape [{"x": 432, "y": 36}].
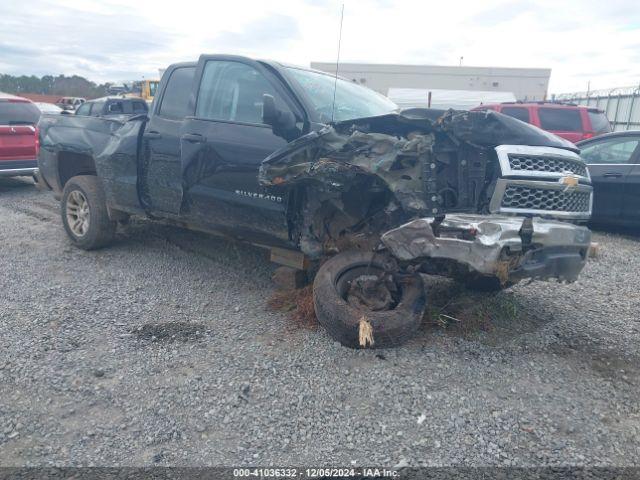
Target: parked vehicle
[
  {"x": 18, "y": 136},
  {"x": 114, "y": 105},
  {"x": 70, "y": 103},
  {"x": 614, "y": 165},
  {"x": 148, "y": 89},
  {"x": 572, "y": 122},
  {"x": 48, "y": 107},
  {"x": 315, "y": 167}
]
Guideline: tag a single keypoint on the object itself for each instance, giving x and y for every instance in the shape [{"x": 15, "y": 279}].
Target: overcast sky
[{"x": 115, "y": 40}]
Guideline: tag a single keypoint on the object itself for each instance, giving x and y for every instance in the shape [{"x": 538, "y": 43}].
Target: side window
[
  {"x": 560, "y": 119},
  {"x": 176, "y": 94},
  {"x": 520, "y": 113},
  {"x": 232, "y": 91},
  {"x": 84, "y": 109},
  {"x": 617, "y": 151}
]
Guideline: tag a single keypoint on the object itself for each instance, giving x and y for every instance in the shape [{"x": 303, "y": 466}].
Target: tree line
[{"x": 73, "y": 86}]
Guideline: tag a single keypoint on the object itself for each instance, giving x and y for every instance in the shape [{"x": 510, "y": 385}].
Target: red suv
[
  {"x": 569, "y": 121},
  {"x": 18, "y": 136}
]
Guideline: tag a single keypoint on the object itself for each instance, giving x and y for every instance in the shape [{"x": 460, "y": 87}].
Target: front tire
[
  {"x": 391, "y": 326},
  {"x": 84, "y": 213}
]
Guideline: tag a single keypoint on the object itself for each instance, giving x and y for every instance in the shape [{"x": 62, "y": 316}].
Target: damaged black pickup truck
[{"x": 333, "y": 179}]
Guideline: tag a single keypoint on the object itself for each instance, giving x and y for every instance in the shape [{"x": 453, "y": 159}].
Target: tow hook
[{"x": 526, "y": 233}]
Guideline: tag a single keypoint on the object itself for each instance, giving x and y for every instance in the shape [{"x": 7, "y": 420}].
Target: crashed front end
[
  {"x": 502, "y": 247},
  {"x": 463, "y": 194}
]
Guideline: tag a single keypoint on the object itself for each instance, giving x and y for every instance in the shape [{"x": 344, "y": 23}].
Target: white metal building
[{"x": 525, "y": 83}]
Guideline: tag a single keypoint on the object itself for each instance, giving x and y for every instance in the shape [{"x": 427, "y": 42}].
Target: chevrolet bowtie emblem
[{"x": 569, "y": 181}]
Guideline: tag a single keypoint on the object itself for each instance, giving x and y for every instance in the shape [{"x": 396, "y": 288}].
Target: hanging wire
[{"x": 335, "y": 84}]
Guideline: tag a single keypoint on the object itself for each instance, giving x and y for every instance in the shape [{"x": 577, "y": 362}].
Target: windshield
[{"x": 352, "y": 100}]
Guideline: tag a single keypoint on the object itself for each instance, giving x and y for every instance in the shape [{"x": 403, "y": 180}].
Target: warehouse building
[{"x": 404, "y": 81}]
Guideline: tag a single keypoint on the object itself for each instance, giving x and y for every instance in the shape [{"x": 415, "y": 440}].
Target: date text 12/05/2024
[{"x": 369, "y": 472}]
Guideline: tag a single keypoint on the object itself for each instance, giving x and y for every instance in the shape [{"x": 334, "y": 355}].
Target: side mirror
[
  {"x": 283, "y": 122},
  {"x": 65, "y": 112},
  {"x": 269, "y": 110}
]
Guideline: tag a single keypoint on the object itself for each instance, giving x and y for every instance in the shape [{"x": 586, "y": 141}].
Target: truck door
[
  {"x": 160, "y": 171},
  {"x": 631, "y": 209},
  {"x": 609, "y": 164},
  {"x": 224, "y": 143}
]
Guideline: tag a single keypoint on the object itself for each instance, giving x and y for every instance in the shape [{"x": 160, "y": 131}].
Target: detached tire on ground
[
  {"x": 84, "y": 213},
  {"x": 390, "y": 327}
]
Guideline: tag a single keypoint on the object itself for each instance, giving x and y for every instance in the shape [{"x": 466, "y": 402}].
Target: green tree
[{"x": 73, "y": 86}]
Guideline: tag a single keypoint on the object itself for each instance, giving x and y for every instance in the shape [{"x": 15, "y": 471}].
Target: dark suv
[
  {"x": 569, "y": 121},
  {"x": 108, "y": 106}
]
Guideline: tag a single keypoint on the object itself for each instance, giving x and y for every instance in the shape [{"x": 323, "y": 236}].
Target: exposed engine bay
[{"x": 405, "y": 182}]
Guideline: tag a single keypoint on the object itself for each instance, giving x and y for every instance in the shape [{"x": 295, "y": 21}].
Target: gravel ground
[{"x": 160, "y": 350}]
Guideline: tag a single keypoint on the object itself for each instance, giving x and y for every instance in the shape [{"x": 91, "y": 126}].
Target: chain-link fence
[{"x": 621, "y": 105}]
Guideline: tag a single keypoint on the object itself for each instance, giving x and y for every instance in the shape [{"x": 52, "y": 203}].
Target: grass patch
[
  {"x": 297, "y": 304},
  {"x": 462, "y": 312}
]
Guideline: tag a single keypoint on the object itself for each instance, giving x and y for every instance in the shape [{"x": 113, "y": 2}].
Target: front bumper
[{"x": 495, "y": 245}]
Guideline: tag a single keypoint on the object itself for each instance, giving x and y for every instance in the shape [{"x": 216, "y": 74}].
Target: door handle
[
  {"x": 193, "y": 138},
  {"x": 152, "y": 135},
  {"x": 612, "y": 174}
]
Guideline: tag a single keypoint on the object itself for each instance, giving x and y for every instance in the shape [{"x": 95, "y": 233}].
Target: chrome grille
[
  {"x": 536, "y": 197},
  {"x": 547, "y": 163},
  {"x": 540, "y": 162},
  {"x": 546, "y": 181},
  {"x": 532, "y": 198}
]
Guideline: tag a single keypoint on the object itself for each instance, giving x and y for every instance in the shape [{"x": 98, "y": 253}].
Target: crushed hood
[{"x": 485, "y": 129}]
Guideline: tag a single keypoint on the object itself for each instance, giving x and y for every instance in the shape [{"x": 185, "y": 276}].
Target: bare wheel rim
[{"x": 78, "y": 214}]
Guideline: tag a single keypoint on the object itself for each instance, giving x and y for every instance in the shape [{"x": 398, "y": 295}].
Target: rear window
[
  {"x": 139, "y": 107},
  {"x": 560, "y": 119},
  {"x": 116, "y": 107},
  {"x": 520, "y": 113},
  {"x": 153, "y": 87},
  {"x": 599, "y": 122},
  {"x": 18, "y": 113},
  {"x": 176, "y": 95}
]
